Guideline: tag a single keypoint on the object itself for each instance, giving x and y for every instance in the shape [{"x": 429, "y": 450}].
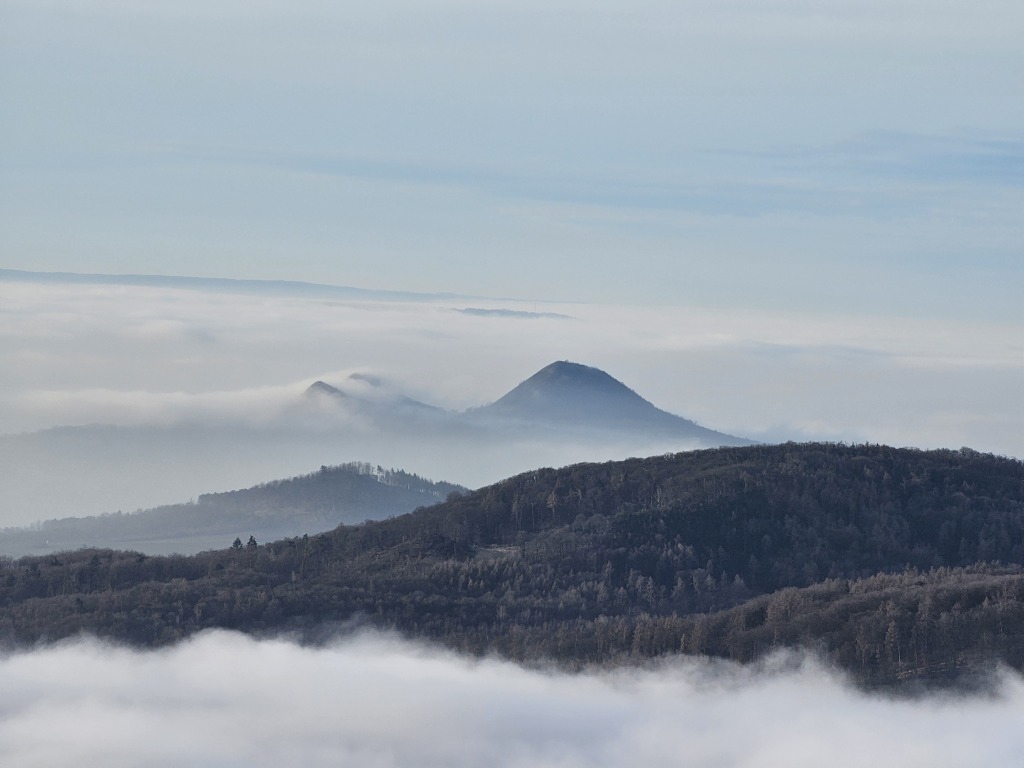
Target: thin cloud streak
[{"x": 374, "y": 700}]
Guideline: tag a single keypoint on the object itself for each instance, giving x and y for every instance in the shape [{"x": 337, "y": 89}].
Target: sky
[
  {"x": 842, "y": 156},
  {"x": 223, "y": 699}
]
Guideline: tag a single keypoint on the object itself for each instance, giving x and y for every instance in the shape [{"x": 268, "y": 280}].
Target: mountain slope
[
  {"x": 565, "y": 395},
  {"x": 879, "y": 558}
]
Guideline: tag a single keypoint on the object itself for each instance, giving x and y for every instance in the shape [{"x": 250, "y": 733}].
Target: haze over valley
[{"x": 170, "y": 392}]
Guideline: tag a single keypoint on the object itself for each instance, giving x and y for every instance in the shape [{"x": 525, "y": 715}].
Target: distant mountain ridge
[
  {"x": 565, "y": 394},
  {"x": 345, "y": 494},
  {"x": 381, "y": 407},
  {"x": 561, "y": 398}
]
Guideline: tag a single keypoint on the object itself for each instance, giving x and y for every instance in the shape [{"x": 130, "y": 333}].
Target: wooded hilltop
[
  {"x": 899, "y": 565},
  {"x": 346, "y": 493}
]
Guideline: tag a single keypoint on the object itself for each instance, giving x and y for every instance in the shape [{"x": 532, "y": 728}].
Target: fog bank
[{"x": 224, "y": 699}]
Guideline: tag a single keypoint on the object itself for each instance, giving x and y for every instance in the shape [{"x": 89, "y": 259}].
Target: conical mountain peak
[
  {"x": 569, "y": 397},
  {"x": 323, "y": 388},
  {"x": 569, "y": 387},
  {"x": 563, "y": 400},
  {"x": 565, "y": 373}
]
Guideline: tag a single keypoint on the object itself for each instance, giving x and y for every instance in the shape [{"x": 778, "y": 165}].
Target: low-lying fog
[
  {"x": 205, "y": 385},
  {"x": 224, "y": 699}
]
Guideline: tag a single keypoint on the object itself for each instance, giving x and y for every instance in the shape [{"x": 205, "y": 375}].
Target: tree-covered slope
[
  {"x": 899, "y": 564},
  {"x": 348, "y": 493}
]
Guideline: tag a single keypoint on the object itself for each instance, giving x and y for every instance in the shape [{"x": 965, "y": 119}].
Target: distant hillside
[
  {"x": 562, "y": 402},
  {"x": 567, "y": 395},
  {"x": 565, "y": 414},
  {"x": 899, "y": 565},
  {"x": 385, "y": 408},
  {"x": 349, "y": 493}
]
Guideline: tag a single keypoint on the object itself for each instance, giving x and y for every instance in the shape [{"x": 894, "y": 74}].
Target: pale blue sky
[
  {"x": 835, "y": 155},
  {"x": 781, "y": 218}
]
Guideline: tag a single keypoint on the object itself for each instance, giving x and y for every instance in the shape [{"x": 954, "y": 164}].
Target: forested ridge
[
  {"x": 346, "y": 493},
  {"x": 898, "y": 564}
]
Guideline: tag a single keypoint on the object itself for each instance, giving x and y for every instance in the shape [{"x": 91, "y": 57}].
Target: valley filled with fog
[{"x": 374, "y": 700}]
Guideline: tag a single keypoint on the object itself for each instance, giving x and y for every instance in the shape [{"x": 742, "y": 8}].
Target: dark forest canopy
[{"x": 899, "y": 564}]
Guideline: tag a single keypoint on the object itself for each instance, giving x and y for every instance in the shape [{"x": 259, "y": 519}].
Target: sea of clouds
[{"x": 375, "y": 701}]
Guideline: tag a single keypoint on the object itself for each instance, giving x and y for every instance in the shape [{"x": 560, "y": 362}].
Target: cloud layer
[{"x": 224, "y": 699}]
